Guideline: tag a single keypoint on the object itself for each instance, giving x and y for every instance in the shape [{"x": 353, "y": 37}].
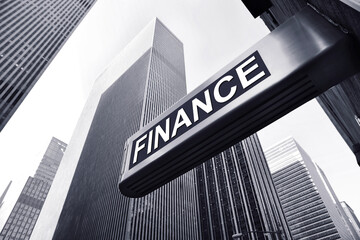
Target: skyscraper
[
  {"x": 25, "y": 213},
  {"x": 32, "y": 32},
  {"x": 237, "y": 196},
  {"x": 308, "y": 204},
  {"x": 349, "y": 213},
  {"x": 4, "y": 194},
  {"x": 341, "y": 102},
  {"x": 337, "y": 204},
  {"x": 145, "y": 79}
]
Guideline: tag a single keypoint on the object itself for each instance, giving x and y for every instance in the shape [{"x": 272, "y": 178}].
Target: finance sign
[{"x": 293, "y": 64}]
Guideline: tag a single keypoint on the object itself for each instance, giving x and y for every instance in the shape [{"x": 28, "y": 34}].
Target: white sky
[{"x": 213, "y": 32}]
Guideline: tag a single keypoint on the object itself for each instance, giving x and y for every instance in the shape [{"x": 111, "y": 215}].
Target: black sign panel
[
  {"x": 296, "y": 62},
  {"x": 229, "y": 86}
]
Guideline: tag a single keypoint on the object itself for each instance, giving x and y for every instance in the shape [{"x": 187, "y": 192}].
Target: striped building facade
[
  {"x": 26, "y": 211},
  {"x": 237, "y": 197},
  {"x": 309, "y": 206},
  {"x": 94, "y": 207},
  {"x": 31, "y": 33}
]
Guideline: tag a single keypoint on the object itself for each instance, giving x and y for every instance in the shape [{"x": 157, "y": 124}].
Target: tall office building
[
  {"x": 350, "y": 215},
  {"x": 25, "y": 213},
  {"x": 145, "y": 79},
  {"x": 337, "y": 203},
  {"x": 309, "y": 206},
  {"x": 342, "y": 102},
  {"x": 4, "y": 194},
  {"x": 237, "y": 197},
  {"x": 32, "y": 32}
]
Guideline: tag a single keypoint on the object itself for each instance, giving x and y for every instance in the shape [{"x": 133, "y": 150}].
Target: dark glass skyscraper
[
  {"x": 31, "y": 33},
  {"x": 25, "y": 213},
  {"x": 237, "y": 197},
  {"x": 94, "y": 207}
]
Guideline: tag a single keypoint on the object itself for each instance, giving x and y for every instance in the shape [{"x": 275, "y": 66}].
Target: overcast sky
[{"x": 213, "y": 32}]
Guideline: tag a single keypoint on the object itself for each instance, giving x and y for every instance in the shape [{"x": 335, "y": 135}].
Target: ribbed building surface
[
  {"x": 342, "y": 102},
  {"x": 31, "y": 33},
  {"x": 25, "y": 213},
  {"x": 237, "y": 196},
  {"x": 94, "y": 207},
  {"x": 308, "y": 205}
]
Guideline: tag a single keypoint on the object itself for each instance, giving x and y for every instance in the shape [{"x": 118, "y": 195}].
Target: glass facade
[
  {"x": 309, "y": 207},
  {"x": 23, "y": 217},
  {"x": 32, "y": 32},
  {"x": 94, "y": 207},
  {"x": 237, "y": 196},
  {"x": 25, "y": 213}
]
